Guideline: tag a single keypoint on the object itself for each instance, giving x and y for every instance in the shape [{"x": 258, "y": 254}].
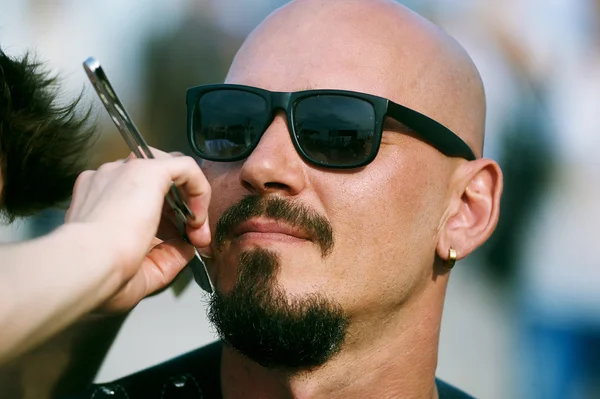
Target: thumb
[
  {"x": 164, "y": 262},
  {"x": 158, "y": 270}
]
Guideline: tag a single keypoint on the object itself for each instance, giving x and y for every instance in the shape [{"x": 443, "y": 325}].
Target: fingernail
[{"x": 205, "y": 252}]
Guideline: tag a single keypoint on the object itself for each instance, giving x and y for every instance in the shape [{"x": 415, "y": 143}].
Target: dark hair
[{"x": 44, "y": 145}]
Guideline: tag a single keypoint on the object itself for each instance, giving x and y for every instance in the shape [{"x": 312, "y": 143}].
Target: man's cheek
[{"x": 218, "y": 205}]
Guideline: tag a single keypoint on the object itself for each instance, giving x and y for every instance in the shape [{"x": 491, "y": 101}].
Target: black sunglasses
[{"x": 329, "y": 128}]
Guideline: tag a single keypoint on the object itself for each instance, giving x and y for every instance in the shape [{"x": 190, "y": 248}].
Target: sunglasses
[{"x": 329, "y": 128}]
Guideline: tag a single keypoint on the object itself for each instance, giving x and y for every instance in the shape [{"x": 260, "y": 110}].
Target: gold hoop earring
[{"x": 449, "y": 264}]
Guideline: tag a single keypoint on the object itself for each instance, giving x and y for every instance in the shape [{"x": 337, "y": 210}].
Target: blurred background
[{"x": 522, "y": 318}]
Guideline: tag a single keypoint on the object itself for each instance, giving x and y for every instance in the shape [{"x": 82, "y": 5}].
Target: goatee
[{"x": 277, "y": 331}]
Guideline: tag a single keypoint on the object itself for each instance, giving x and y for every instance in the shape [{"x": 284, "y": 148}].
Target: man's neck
[{"x": 390, "y": 359}]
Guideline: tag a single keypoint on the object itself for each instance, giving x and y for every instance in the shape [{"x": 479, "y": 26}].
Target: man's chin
[
  {"x": 291, "y": 335},
  {"x": 275, "y": 328}
]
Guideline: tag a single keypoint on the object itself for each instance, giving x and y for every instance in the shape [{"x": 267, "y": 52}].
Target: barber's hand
[{"x": 122, "y": 204}]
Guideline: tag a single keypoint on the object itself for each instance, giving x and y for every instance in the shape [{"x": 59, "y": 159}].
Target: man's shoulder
[
  {"x": 195, "y": 374},
  {"x": 447, "y": 391}
]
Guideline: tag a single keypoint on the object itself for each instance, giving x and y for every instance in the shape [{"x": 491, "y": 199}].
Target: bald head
[{"x": 374, "y": 46}]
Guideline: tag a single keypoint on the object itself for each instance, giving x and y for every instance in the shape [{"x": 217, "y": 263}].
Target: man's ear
[{"x": 473, "y": 210}]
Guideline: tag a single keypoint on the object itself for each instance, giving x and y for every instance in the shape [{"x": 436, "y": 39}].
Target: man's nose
[{"x": 274, "y": 165}]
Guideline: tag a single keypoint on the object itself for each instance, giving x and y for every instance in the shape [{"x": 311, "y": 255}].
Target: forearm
[{"x": 48, "y": 283}]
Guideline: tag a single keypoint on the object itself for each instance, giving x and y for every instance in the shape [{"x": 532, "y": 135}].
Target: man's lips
[{"x": 268, "y": 228}]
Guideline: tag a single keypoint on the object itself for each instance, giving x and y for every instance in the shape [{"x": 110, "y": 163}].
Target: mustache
[{"x": 276, "y": 208}]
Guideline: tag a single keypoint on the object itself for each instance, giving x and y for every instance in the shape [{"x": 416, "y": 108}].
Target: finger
[
  {"x": 186, "y": 173},
  {"x": 160, "y": 267},
  {"x": 205, "y": 252},
  {"x": 155, "y": 241},
  {"x": 158, "y": 154},
  {"x": 199, "y": 237},
  {"x": 130, "y": 157},
  {"x": 164, "y": 262}
]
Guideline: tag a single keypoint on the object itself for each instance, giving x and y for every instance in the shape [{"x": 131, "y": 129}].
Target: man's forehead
[
  {"x": 377, "y": 47},
  {"x": 334, "y": 60},
  {"x": 294, "y": 72}
]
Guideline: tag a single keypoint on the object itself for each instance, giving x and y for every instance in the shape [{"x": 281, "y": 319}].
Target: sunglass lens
[
  {"x": 227, "y": 123},
  {"x": 335, "y": 130}
]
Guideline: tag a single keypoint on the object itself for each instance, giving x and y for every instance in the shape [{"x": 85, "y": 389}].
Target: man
[{"x": 332, "y": 244}]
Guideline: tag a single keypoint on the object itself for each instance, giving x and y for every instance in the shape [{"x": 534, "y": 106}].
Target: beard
[{"x": 258, "y": 319}]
